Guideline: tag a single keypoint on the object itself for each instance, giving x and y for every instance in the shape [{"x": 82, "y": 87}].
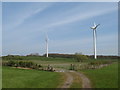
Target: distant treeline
[
  {"x": 13, "y": 57},
  {"x": 73, "y": 55},
  {"x": 61, "y": 55},
  {"x": 54, "y": 55},
  {"x": 104, "y": 57}
]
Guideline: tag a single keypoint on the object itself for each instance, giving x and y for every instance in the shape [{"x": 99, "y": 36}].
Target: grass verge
[{"x": 106, "y": 77}]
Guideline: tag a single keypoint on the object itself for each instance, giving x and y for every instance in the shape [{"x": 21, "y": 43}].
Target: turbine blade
[
  {"x": 97, "y": 25},
  {"x": 94, "y": 24},
  {"x": 46, "y": 39}
]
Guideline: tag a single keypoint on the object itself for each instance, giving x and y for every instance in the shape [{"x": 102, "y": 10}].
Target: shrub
[
  {"x": 29, "y": 64},
  {"x": 35, "y": 66},
  {"x": 11, "y": 63},
  {"x": 21, "y": 64},
  {"x": 18, "y": 63},
  {"x": 12, "y": 57},
  {"x": 80, "y": 57},
  {"x": 99, "y": 62}
]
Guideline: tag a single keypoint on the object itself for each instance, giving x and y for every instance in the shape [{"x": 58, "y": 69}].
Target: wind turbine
[
  {"x": 94, "y": 38},
  {"x": 46, "y": 45}
]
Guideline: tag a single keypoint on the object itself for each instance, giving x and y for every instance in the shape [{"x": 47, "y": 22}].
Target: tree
[
  {"x": 34, "y": 54},
  {"x": 80, "y": 57}
]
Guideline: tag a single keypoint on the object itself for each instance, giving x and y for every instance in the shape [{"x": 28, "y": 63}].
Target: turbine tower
[
  {"x": 94, "y": 38},
  {"x": 46, "y": 45}
]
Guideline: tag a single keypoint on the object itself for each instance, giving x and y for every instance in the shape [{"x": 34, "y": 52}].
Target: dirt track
[
  {"x": 69, "y": 80},
  {"x": 85, "y": 81}
]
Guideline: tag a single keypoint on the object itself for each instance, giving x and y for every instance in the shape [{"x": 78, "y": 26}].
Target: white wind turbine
[
  {"x": 46, "y": 45},
  {"x": 94, "y": 38}
]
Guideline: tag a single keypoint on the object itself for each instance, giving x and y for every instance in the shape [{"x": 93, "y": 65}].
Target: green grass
[
  {"x": 106, "y": 77},
  {"x": 44, "y": 58},
  {"x": 101, "y": 78},
  {"x": 0, "y": 76},
  {"x": 19, "y": 78}
]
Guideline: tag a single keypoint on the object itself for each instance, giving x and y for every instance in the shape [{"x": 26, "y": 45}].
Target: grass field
[
  {"x": 56, "y": 59},
  {"x": 19, "y": 78},
  {"x": 106, "y": 77}
]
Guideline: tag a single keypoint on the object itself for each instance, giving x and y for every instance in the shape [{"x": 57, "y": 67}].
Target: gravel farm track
[{"x": 69, "y": 80}]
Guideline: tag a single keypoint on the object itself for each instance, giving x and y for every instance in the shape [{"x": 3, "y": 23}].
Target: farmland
[{"x": 104, "y": 77}]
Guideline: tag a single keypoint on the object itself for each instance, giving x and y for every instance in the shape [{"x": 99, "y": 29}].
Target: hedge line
[{"x": 27, "y": 64}]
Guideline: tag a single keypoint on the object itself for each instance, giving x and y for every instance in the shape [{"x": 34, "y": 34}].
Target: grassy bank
[
  {"x": 19, "y": 78},
  {"x": 106, "y": 77}
]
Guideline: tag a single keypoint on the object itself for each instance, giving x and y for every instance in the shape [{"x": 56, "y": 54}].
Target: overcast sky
[{"x": 67, "y": 24}]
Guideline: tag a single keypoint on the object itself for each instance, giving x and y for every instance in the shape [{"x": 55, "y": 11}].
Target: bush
[
  {"x": 99, "y": 62},
  {"x": 11, "y": 63},
  {"x": 80, "y": 57},
  {"x": 28, "y": 64},
  {"x": 18, "y": 63},
  {"x": 12, "y": 57},
  {"x": 21, "y": 64},
  {"x": 25, "y": 64}
]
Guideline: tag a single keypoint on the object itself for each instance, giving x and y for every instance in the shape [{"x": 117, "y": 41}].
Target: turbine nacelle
[{"x": 95, "y": 26}]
